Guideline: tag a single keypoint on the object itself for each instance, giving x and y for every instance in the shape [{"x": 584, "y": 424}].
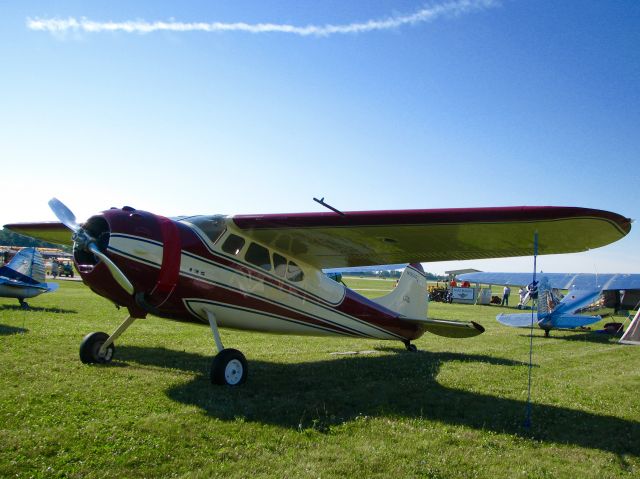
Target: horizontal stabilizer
[
  {"x": 449, "y": 329},
  {"x": 570, "y": 321},
  {"x": 518, "y": 320}
]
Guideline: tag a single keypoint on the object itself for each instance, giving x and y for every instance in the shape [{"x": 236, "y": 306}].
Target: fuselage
[
  {"x": 186, "y": 268},
  {"x": 20, "y": 291}
]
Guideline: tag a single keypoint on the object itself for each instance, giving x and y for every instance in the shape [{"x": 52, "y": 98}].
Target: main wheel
[
  {"x": 229, "y": 367},
  {"x": 90, "y": 349}
]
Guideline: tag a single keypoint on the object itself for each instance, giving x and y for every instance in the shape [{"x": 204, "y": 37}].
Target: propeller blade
[
  {"x": 64, "y": 214},
  {"x": 115, "y": 271}
]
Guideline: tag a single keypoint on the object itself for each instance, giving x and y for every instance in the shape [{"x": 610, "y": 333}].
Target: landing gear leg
[
  {"x": 546, "y": 333},
  {"x": 229, "y": 366},
  {"x": 410, "y": 347},
  {"x": 99, "y": 347},
  {"x": 23, "y": 303}
]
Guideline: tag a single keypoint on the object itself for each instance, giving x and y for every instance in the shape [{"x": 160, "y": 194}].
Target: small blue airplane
[
  {"x": 554, "y": 311},
  {"x": 23, "y": 277}
]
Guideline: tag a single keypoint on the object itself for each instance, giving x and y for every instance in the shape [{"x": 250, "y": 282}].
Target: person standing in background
[{"x": 505, "y": 296}]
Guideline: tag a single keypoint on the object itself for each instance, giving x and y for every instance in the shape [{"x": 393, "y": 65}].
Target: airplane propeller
[
  {"x": 64, "y": 214},
  {"x": 87, "y": 242}
]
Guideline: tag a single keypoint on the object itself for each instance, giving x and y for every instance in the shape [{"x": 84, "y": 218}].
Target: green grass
[{"x": 454, "y": 409}]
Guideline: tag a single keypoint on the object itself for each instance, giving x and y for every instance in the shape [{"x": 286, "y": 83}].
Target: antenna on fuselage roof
[{"x": 321, "y": 201}]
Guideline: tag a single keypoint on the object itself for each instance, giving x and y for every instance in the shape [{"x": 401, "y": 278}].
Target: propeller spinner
[{"x": 86, "y": 242}]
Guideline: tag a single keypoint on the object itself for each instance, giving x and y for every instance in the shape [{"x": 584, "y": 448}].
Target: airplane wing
[
  {"x": 51, "y": 231},
  {"x": 579, "y": 281},
  {"x": 517, "y": 320},
  {"x": 361, "y": 238},
  {"x": 331, "y": 240},
  {"x": 563, "y": 321}
]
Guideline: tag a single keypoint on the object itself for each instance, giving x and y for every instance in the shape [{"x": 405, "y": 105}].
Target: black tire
[
  {"x": 90, "y": 346},
  {"x": 229, "y": 368}
]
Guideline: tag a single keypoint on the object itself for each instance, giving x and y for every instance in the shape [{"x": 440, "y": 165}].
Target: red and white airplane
[{"x": 264, "y": 272}]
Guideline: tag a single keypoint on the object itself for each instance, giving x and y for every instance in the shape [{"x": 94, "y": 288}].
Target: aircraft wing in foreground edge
[
  {"x": 585, "y": 292},
  {"x": 264, "y": 272},
  {"x": 23, "y": 277}
]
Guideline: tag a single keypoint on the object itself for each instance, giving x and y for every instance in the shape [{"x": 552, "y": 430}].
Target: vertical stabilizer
[
  {"x": 29, "y": 263},
  {"x": 409, "y": 298}
]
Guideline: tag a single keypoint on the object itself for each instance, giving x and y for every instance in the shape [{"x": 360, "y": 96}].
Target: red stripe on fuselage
[{"x": 171, "y": 255}]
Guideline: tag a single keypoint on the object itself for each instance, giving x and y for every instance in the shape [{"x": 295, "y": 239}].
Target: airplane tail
[
  {"x": 547, "y": 301},
  {"x": 28, "y": 264},
  {"x": 409, "y": 298}
]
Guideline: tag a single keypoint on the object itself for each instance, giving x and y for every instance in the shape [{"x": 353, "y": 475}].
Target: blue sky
[{"x": 495, "y": 103}]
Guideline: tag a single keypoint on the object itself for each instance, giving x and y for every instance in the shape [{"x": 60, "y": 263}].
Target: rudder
[{"x": 409, "y": 298}]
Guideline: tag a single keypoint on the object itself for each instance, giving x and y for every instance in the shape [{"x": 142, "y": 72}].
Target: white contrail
[{"x": 425, "y": 14}]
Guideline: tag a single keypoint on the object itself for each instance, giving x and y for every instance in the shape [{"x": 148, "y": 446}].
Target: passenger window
[
  {"x": 233, "y": 244},
  {"x": 258, "y": 255},
  {"x": 279, "y": 264},
  {"x": 294, "y": 273}
]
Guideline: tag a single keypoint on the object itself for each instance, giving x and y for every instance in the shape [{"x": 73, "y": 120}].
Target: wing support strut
[{"x": 115, "y": 335}]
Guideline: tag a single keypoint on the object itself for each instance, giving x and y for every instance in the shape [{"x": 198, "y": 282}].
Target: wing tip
[{"x": 478, "y": 327}]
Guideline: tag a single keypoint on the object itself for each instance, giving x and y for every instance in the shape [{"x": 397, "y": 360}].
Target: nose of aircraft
[{"x": 91, "y": 239}]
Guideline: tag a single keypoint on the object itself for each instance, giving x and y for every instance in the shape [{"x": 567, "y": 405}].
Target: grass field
[{"x": 454, "y": 409}]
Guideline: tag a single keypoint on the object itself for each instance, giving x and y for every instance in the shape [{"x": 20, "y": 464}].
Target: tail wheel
[
  {"x": 412, "y": 348},
  {"x": 229, "y": 368},
  {"x": 90, "y": 349}
]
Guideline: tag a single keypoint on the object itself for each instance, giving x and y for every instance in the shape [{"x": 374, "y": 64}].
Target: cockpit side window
[
  {"x": 258, "y": 255},
  {"x": 233, "y": 244}
]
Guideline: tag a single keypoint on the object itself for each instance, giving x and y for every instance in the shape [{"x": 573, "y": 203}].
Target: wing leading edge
[{"x": 329, "y": 240}]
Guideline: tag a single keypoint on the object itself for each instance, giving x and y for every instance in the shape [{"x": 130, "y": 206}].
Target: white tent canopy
[{"x": 632, "y": 334}]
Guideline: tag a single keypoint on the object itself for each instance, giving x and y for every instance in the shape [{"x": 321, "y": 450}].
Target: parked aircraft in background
[
  {"x": 264, "y": 272},
  {"x": 585, "y": 292},
  {"x": 24, "y": 277}
]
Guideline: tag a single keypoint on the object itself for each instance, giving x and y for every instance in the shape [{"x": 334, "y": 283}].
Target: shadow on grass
[
  {"x": 17, "y": 307},
  {"x": 584, "y": 336},
  {"x": 591, "y": 337},
  {"x": 6, "y": 330},
  {"x": 322, "y": 394}
]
